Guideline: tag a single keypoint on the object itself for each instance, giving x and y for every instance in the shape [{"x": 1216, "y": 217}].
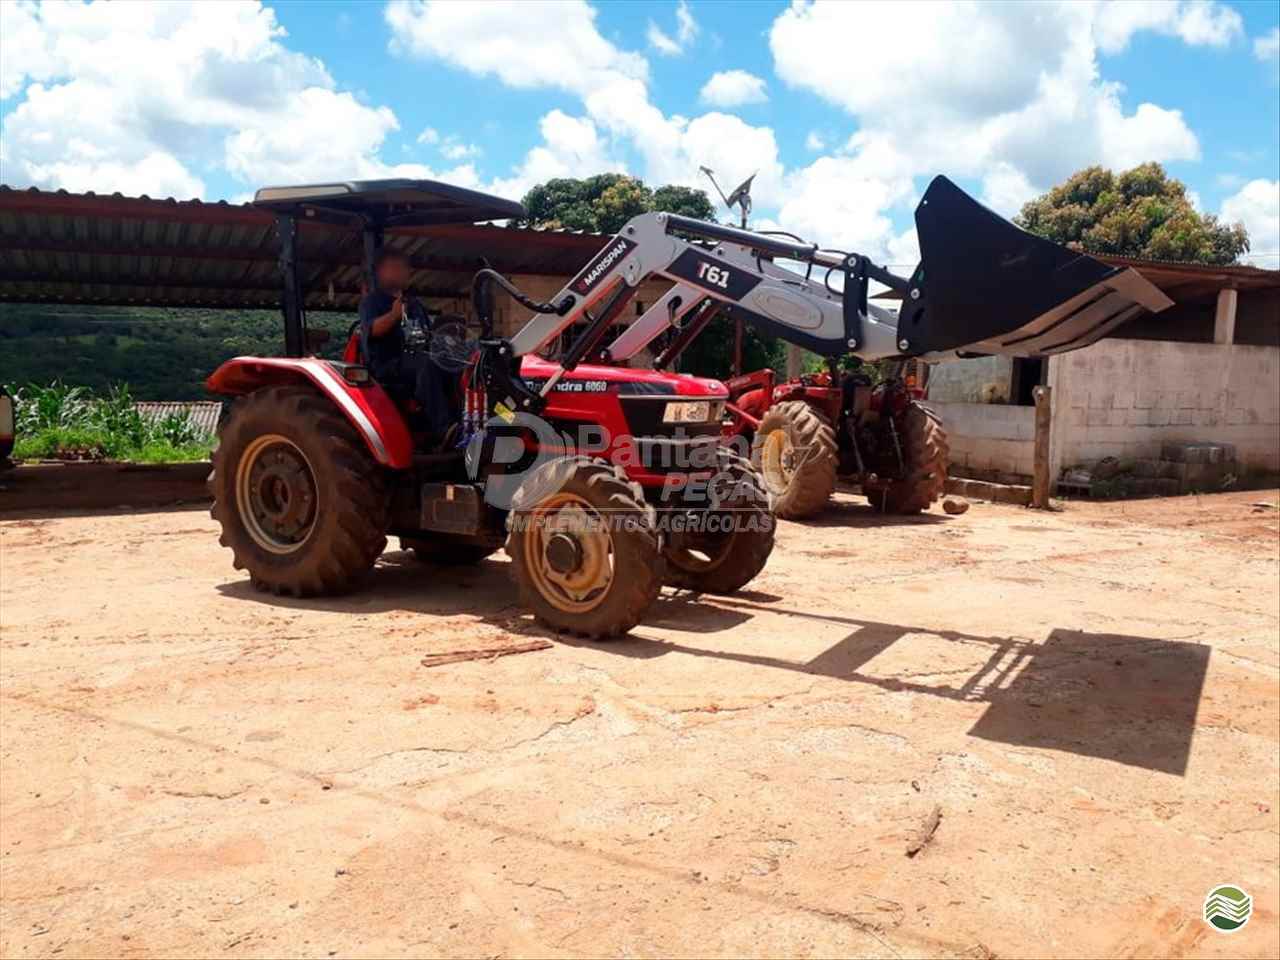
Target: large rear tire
[
  {"x": 926, "y": 451},
  {"x": 583, "y": 547},
  {"x": 300, "y": 501},
  {"x": 796, "y": 455},
  {"x": 720, "y": 560}
]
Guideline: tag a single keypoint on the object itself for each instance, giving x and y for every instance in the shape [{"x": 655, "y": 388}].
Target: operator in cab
[{"x": 402, "y": 363}]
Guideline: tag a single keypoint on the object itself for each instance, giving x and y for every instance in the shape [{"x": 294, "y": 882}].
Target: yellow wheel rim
[
  {"x": 568, "y": 550},
  {"x": 276, "y": 494},
  {"x": 778, "y": 461}
]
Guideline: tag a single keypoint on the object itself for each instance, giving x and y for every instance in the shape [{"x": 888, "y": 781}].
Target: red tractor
[
  {"x": 990, "y": 288},
  {"x": 316, "y": 463},
  {"x": 806, "y": 432},
  {"x": 602, "y": 483}
]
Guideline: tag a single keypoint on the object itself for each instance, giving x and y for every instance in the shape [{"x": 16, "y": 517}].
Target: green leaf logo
[{"x": 1228, "y": 908}]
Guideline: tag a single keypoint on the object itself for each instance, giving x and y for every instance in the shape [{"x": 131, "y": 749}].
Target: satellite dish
[
  {"x": 742, "y": 192},
  {"x": 740, "y": 197}
]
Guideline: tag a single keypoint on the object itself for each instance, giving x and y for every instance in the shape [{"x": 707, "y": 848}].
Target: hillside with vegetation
[{"x": 163, "y": 354}]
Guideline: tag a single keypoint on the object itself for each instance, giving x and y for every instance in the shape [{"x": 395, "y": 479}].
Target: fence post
[{"x": 1041, "y": 481}]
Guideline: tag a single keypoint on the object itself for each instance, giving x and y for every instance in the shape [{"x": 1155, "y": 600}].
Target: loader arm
[{"x": 983, "y": 285}]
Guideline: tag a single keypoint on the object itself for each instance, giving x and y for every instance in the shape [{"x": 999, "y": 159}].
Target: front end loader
[{"x": 983, "y": 286}]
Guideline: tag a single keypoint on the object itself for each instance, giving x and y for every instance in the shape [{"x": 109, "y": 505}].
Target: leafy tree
[
  {"x": 619, "y": 202},
  {"x": 685, "y": 201},
  {"x": 603, "y": 203},
  {"x": 711, "y": 355},
  {"x": 1140, "y": 213}
]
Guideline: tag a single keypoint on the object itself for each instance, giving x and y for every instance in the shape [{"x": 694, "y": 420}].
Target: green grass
[{"x": 58, "y": 422}]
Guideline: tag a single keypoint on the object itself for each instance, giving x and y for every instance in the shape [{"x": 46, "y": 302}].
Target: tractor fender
[
  {"x": 366, "y": 405},
  {"x": 754, "y": 402}
]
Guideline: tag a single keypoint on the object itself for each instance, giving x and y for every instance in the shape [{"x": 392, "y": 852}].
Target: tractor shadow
[
  {"x": 857, "y": 513},
  {"x": 1128, "y": 699},
  {"x": 401, "y": 582}
]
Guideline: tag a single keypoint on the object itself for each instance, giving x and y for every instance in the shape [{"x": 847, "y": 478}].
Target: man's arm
[{"x": 382, "y": 325}]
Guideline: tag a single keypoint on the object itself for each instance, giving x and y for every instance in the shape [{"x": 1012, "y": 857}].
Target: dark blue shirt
[{"x": 383, "y": 353}]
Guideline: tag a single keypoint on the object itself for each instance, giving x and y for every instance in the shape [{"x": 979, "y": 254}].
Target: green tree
[
  {"x": 619, "y": 202},
  {"x": 603, "y": 203},
  {"x": 685, "y": 201},
  {"x": 1140, "y": 213}
]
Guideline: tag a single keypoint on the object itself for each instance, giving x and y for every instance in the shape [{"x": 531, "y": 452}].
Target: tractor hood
[{"x": 625, "y": 381}]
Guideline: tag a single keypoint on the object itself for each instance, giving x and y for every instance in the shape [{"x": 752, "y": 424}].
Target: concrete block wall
[
  {"x": 1126, "y": 398},
  {"x": 988, "y": 438},
  {"x": 975, "y": 380}
]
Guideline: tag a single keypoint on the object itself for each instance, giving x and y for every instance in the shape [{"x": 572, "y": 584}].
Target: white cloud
[
  {"x": 1005, "y": 189},
  {"x": 148, "y": 97},
  {"x": 1020, "y": 103},
  {"x": 686, "y": 26},
  {"x": 457, "y": 150},
  {"x": 451, "y": 147},
  {"x": 1195, "y": 22},
  {"x": 1257, "y": 206},
  {"x": 557, "y": 46},
  {"x": 686, "y": 32},
  {"x": 733, "y": 88},
  {"x": 815, "y": 141},
  {"x": 661, "y": 42},
  {"x": 1267, "y": 46},
  {"x": 25, "y": 47},
  {"x": 842, "y": 202},
  {"x": 572, "y": 147},
  {"x": 527, "y": 44}
]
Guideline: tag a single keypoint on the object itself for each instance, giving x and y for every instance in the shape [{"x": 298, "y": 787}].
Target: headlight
[{"x": 692, "y": 411}]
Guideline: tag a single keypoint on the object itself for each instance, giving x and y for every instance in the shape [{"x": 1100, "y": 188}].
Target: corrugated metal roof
[
  {"x": 203, "y": 413},
  {"x": 59, "y": 247}
]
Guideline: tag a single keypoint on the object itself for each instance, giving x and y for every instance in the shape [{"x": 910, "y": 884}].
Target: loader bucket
[{"x": 985, "y": 286}]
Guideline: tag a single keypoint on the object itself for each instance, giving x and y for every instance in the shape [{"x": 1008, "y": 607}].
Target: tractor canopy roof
[{"x": 387, "y": 203}]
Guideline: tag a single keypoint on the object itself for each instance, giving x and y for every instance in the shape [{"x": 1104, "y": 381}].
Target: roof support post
[
  {"x": 372, "y": 244},
  {"x": 291, "y": 299},
  {"x": 1224, "y": 317}
]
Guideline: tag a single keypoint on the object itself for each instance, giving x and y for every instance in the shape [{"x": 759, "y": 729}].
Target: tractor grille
[{"x": 644, "y": 418}]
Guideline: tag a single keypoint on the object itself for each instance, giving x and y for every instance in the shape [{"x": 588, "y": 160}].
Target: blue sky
[{"x": 845, "y": 109}]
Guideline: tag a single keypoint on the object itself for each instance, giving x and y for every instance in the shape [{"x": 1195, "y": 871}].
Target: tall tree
[
  {"x": 1140, "y": 213},
  {"x": 603, "y": 203},
  {"x": 686, "y": 201}
]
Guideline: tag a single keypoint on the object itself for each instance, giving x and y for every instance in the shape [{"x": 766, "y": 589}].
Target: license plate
[{"x": 689, "y": 411}]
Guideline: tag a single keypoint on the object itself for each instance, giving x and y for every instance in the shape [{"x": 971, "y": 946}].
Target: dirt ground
[{"x": 1090, "y": 698}]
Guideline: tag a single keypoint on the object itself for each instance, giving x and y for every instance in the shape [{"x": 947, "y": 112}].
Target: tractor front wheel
[
  {"x": 796, "y": 454},
  {"x": 300, "y": 501},
  {"x": 926, "y": 452},
  {"x": 583, "y": 547},
  {"x": 721, "y": 549}
]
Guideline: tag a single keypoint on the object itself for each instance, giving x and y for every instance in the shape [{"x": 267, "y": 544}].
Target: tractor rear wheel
[
  {"x": 584, "y": 548},
  {"x": 796, "y": 454},
  {"x": 301, "y": 503},
  {"x": 448, "y": 551},
  {"x": 926, "y": 452},
  {"x": 734, "y": 538}
]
